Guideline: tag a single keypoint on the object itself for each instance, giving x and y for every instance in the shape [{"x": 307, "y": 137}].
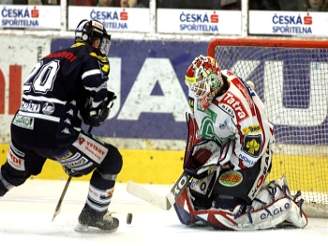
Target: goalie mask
[
  {"x": 204, "y": 79},
  {"x": 90, "y": 30}
]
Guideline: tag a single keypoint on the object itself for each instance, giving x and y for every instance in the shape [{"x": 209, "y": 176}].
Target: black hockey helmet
[{"x": 90, "y": 30}]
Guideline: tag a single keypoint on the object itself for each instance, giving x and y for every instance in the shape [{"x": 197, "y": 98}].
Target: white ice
[{"x": 26, "y": 212}]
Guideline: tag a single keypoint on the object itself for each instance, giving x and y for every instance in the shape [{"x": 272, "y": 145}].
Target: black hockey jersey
[{"x": 54, "y": 94}]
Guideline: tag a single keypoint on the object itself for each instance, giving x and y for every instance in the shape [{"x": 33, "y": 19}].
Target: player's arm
[{"x": 97, "y": 99}]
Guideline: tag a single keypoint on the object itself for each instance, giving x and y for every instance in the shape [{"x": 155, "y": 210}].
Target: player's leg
[
  {"x": 89, "y": 154},
  {"x": 101, "y": 189},
  {"x": 19, "y": 166}
]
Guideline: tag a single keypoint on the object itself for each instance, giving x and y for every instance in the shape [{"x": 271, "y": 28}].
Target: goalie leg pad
[
  {"x": 273, "y": 206},
  {"x": 184, "y": 208}
]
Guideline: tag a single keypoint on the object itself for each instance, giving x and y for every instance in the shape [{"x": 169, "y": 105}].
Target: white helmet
[{"x": 204, "y": 79}]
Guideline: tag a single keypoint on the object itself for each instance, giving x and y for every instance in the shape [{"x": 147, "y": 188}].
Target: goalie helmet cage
[{"x": 291, "y": 77}]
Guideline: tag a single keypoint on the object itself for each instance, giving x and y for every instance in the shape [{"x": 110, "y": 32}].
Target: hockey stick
[
  {"x": 61, "y": 198},
  {"x": 167, "y": 201},
  {"x": 57, "y": 209}
]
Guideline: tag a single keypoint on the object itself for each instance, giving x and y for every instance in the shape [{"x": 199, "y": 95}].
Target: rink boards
[{"x": 164, "y": 167}]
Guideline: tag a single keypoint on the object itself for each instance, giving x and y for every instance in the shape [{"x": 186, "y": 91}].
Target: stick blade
[{"x": 149, "y": 196}]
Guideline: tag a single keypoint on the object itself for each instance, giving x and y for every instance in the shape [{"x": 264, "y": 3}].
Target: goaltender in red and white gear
[{"x": 230, "y": 157}]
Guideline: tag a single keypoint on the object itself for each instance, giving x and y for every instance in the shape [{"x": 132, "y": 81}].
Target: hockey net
[{"x": 291, "y": 77}]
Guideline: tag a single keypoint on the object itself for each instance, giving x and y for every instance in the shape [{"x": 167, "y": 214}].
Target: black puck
[{"x": 129, "y": 218}]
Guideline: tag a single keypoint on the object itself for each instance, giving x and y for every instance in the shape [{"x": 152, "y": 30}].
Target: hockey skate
[{"x": 90, "y": 220}]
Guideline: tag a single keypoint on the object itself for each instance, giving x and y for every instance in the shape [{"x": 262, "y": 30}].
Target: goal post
[{"x": 291, "y": 77}]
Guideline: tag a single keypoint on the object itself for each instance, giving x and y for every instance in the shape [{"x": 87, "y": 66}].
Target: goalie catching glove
[
  {"x": 94, "y": 115},
  {"x": 203, "y": 159}
]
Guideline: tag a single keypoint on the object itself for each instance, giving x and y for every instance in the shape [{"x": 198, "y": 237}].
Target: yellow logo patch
[
  {"x": 252, "y": 146},
  {"x": 251, "y": 129}
]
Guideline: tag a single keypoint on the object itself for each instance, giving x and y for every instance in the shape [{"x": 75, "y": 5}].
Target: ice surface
[{"x": 26, "y": 212}]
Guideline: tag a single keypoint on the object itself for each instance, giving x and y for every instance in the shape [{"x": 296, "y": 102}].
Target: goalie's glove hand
[
  {"x": 94, "y": 116},
  {"x": 203, "y": 159}
]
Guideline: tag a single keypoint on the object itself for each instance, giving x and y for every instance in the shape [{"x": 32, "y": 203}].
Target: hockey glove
[
  {"x": 204, "y": 159},
  {"x": 95, "y": 116}
]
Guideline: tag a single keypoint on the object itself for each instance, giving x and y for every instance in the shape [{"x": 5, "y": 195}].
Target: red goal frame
[{"x": 266, "y": 42}]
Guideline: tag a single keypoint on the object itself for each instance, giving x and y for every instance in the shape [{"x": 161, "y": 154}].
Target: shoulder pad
[
  {"x": 101, "y": 58},
  {"x": 103, "y": 62}
]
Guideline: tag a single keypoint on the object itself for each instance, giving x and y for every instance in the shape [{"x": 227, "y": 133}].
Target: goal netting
[{"x": 291, "y": 77}]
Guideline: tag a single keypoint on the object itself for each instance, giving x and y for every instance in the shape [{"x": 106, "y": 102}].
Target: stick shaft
[
  {"x": 61, "y": 198},
  {"x": 57, "y": 209}
]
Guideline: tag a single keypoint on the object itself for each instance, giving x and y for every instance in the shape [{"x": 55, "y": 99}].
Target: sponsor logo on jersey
[
  {"x": 24, "y": 122},
  {"x": 231, "y": 178},
  {"x": 15, "y": 161},
  {"x": 226, "y": 109},
  {"x": 30, "y": 107},
  {"x": 48, "y": 108},
  {"x": 252, "y": 145},
  {"x": 251, "y": 129},
  {"x": 231, "y": 100},
  {"x": 247, "y": 161},
  {"x": 91, "y": 148}
]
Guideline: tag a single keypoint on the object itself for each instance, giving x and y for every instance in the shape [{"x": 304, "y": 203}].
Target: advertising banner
[
  {"x": 148, "y": 78},
  {"x": 29, "y": 17},
  {"x": 114, "y": 19},
  {"x": 283, "y": 23},
  {"x": 199, "y": 21}
]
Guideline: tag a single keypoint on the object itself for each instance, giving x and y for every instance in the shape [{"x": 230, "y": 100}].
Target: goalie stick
[
  {"x": 163, "y": 202},
  {"x": 167, "y": 201}
]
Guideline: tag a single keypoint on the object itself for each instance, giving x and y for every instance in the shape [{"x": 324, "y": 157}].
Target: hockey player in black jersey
[{"x": 63, "y": 90}]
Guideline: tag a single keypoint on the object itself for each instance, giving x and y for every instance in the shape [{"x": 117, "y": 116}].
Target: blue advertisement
[{"x": 148, "y": 77}]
